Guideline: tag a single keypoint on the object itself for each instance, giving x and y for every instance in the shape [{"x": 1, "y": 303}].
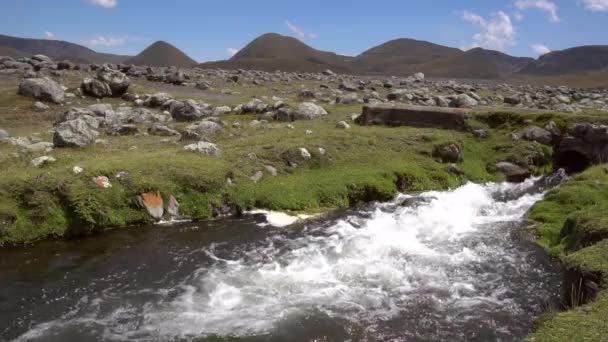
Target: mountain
[
  {"x": 505, "y": 64},
  {"x": 272, "y": 52},
  {"x": 573, "y": 60},
  {"x": 162, "y": 54},
  {"x": 56, "y": 49},
  {"x": 404, "y": 57},
  {"x": 401, "y": 55}
]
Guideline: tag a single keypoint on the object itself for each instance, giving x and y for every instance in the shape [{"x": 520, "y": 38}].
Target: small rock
[
  {"x": 207, "y": 148},
  {"x": 342, "y": 125},
  {"x": 257, "y": 176},
  {"x": 41, "y": 107},
  {"x": 102, "y": 182},
  {"x": 76, "y": 170},
  {"x": 271, "y": 169},
  {"x": 40, "y": 161},
  {"x": 305, "y": 154},
  {"x": 173, "y": 207},
  {"x": 153, "y": 202}
]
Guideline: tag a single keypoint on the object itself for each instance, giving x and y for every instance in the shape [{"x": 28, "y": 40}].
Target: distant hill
[
  {"x": 272, "y": 52},
  {"x": 505, "y": 64},
  {"x": 162, "y": 54},
  {"x": 56, "y": 49},
  {"x": 400, "y": 57},
  {"x": 407, "y": 56},
  {"x": 573, "y": 60}
]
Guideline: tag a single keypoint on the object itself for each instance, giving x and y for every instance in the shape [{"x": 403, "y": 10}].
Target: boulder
[
  {"x": 158, "y": 99},
  {"x": 207, "y": 148},
  {"x": 205, "y": 128},
  {"x": 43, "y": 89},
  {"x": 309, "y": 111},
  {"x": 95, "y": 88},
  {"x": 153, "y": 202},
  {"x": 74, "y": 133},
  {"x": 117, "y": 81},
  {"x": 40, "y": 161},
  {"x": 463, "y": 101},
  {"x": 342, "y": 125},
  {"x": 173, "y": 207},
  {"x": 163, "y": 130},
  {"x": 447, "y": 153},
  {"x": 513, "y": 172},
  {"x": 417, "y": 116},
  {"x": 533, "y": 133},
  {"x": 125, "y": 129},
  {"x": 4, "y": 134},
  {"x": 188, "y": 110}
]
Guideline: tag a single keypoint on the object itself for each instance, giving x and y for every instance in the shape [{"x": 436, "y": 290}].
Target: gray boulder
[
  {"x": 309, "y": 111},
  {"x": 188, "y": 110},
  {"x": 163, "y": 130},
  {"x": 4, "y": 134},
  {"x": 43, "y": 89},
  {"x": 207, "y": 148},
  {"x": 158, "y": 99},
  {"x": 513, "y": 172},
  {"x": 74, "y": 133},
  {"x": 117, "y": 81},
  {"x": 205, "y": 128},
  {"x": 95, "y": 88},
  {"x": 533, "y": 133},
  {"x": 463, "y": 101}
]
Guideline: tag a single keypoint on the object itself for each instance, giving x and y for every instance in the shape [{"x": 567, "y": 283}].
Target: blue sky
[{"x": 214, "y": 29}]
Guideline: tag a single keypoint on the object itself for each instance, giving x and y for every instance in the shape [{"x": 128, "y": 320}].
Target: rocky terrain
[
  {"x": 583, "y": 66},
  {"x": 87, "y": 147}
]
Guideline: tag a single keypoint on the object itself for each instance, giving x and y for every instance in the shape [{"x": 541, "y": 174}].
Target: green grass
[
  {"x": 572, "y": 224},
  {"x": 360, "y": 164}
]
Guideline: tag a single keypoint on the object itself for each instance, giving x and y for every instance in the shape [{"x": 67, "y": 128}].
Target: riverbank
[
  {"x": 572, "y": 225},
  {"x": 359, "y": 164}
]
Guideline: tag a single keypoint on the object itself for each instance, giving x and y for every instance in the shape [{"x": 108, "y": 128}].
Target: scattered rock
[
  {"x": 342, "y": 125},
  {"x": 309, "y": 111},
  {"x": 102, "y": 182},
  {"x": 207, "y": 148},
  {"x": 533, "y": 133},
  {"x": 40, "y": 161},
  {"x": 513, "y": 172},
  {"x": 173, "y": 207},
  {"x": 74, "y": 133},
  {"x": 305, "y": 154},
  {"x": 41, "y": 107},
  {"x": 153, "y": 202},
  {"x": 257, "y": 176},
  {"x": 448, "y": 153},
  {"x": 43, "y": 89}
]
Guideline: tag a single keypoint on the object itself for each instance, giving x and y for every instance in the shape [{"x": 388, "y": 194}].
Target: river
[{"x": 448, "y": 266}]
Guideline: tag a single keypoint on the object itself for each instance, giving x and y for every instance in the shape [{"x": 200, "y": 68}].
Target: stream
[{"x": 438, "y": 266}]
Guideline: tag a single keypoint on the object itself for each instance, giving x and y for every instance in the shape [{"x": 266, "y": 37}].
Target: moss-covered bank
[
  {"x": 347, "y": 167},
  {"x": 572, "y": 224}
]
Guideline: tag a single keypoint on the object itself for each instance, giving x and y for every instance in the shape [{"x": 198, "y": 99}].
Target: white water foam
[{"x": 359, "y": 269}]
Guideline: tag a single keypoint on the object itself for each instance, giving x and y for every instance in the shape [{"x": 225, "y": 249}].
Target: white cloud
[
  {"x": 49, "y": 35},
  {"x": 299, "y": 32},
  {"x": 540, "y": 49},
  {"x": 107, "y": 41},
  {"x": 596, "y": 5},
  {"x": 104, "y": 3},
  {"x": 518, "y": 16},
  {"x": 545, "y": 5},
  {"x": 231, "y": 51},
  {"x": 295, "y": 29},
  {"x": 497, "y": 32}
]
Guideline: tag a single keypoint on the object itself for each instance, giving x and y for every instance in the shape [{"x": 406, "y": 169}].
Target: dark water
[{"x": 450, "y": 268}]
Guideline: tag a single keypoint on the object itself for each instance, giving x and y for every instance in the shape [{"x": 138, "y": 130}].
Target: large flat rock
[{"x": 417, "y": 116}]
